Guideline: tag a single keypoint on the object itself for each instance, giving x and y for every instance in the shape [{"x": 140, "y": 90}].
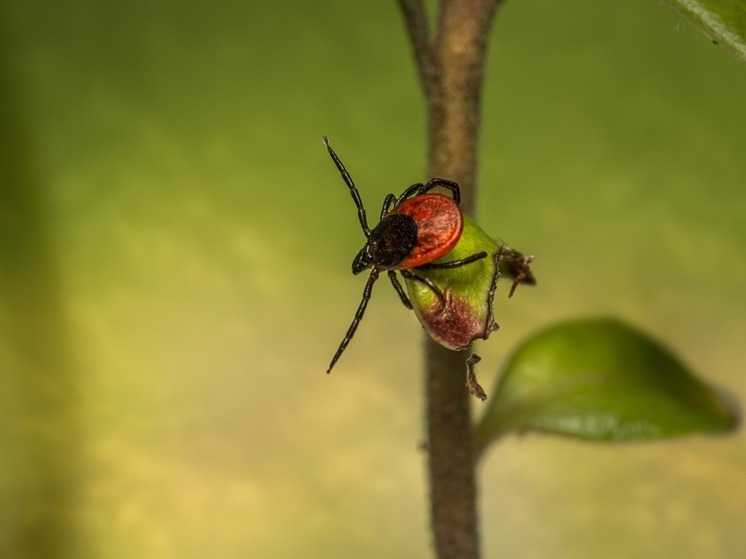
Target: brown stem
[
  {"x": 454, "y": 107},
  {"x": 451, "y": 71}
]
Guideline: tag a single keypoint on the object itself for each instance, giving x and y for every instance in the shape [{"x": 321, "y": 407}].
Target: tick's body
[
  {"x": 439, "y": 224},
  {"x": 414, "y": 230}
]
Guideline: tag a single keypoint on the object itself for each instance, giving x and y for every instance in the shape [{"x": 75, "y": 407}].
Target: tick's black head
[{"x": 389, "y": 243}]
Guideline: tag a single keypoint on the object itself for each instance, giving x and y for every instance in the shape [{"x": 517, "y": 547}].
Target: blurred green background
[{"x": 175, "y": 276}]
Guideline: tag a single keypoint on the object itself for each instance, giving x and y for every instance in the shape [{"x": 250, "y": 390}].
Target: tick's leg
[
  {"x": 410, "y": 192},
  {"x": 358, "y": 317},
  {"x": 390, "y": 199},
  {"x": 434, "y": 288},
  {"x": 419, "y": 188},
  {"x": 351, "y": 185},
  {"x": 454, "y": 263},
  {"x": 449, "y": 185},
  {"x": 399, "y": 290}
]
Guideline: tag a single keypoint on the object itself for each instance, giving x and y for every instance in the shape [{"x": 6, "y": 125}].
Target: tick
[{"x": 415, "y": 229}]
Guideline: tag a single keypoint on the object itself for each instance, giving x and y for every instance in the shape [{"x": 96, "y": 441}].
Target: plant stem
[{"x": 451, "y": 71}]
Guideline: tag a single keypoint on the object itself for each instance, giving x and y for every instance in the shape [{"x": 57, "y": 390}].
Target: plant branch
[
  {"x": 454, "y": 109},
  {"x": 451, "y": 71}
]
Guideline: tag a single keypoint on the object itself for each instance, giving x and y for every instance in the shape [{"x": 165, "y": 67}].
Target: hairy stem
[{"x": 450, "y": 66}]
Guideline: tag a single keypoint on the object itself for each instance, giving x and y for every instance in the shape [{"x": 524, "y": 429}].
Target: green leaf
[
  {"x": 724, "y": 21},
  {"x": 602, "y": 380}
]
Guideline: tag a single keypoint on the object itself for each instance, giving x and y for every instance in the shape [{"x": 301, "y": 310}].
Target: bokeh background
[{"x": 176, "y": 249}]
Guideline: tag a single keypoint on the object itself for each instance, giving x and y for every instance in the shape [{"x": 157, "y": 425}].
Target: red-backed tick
[{"x": 414, "y": 229}]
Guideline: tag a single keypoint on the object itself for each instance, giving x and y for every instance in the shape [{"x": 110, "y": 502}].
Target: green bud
[{"x": 468, "y": 290}]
